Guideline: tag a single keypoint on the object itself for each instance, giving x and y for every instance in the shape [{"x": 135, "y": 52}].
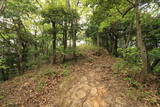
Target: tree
[{"x": 140, "y": 43}]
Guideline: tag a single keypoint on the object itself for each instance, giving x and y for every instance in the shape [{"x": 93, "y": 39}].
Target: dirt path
[
  {"x": 85, "y": 92},
  {"x": 93, "y": 84}
]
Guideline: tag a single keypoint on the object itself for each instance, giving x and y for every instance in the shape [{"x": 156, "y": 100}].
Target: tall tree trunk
[
  {"x": 22, "y": 44},
  {"x": 2, "y": 5},
  {"x": 68, "y": 4},
  {"x": 20, "y": 62},
  {"x": 54, "y": 42},
  {"x": 65, "y": 39},
  {"x": 140, "y": 42},
  {"x": 98, "y": 40},
  {"x": 74, "y": 38}
]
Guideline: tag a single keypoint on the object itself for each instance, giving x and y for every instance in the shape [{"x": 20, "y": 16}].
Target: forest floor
[{"x": 89, "y": 82}]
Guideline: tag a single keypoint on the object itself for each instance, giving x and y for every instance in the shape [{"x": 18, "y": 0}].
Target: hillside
[{"x": 89, "y": 82}]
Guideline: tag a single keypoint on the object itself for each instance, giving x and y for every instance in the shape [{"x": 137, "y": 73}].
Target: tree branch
[
  {"x": 128, "y": 9},
  {"x": 119, "y": 11}
]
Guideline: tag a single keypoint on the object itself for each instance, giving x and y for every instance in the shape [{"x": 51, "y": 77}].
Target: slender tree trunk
[
  {"x": 140, "y": 42},
  {"x": 68, "y": 4},
  {"x": 54, "y": 42},
  {"x": 2, "y": 70},
  {"x": 98, "y": 41},
  {"x": 20, "y": 43},
  {"x": 74, "y": 39},
  {"x": 65, "y": 39},
  {"x": 20, "y": 63},
  {"x": 115, "y": 47},
  {"x": 129, "y": 35},
  {"x": 107, "y": 43},
  {"x": 2, "y": 5}
]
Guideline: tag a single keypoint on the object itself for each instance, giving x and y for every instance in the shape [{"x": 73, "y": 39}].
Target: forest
[{"x": 54, "y": 45}]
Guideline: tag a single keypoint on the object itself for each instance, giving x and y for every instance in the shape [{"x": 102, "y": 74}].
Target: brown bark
[
  {"x": 65, "y": 39},
  {"x": 20, "y": 63},
  {"x": 68, "y": 4},
  {"x": 20, "y": 47},
  {"x": 140, "y": 42},
  {"x": 2, "y": 5},
  {"x": 98, "y": 41},
  {"x": 54, "y": 42},
  {"x": 74, "y": 38}
]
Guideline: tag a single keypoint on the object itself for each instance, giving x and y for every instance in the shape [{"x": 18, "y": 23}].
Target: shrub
[
  {"x": 126, "y": 68},
  {"x": 119, "y": 65},
  {"x": 154, "y": 55},
  {"x": 130, "y": 54}
]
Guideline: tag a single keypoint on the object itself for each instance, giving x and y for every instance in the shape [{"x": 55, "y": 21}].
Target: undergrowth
[
  {"x": 131, "y": 74},
  {"x": 87, "y": 47},
  {"x": 66, "y": 71}
]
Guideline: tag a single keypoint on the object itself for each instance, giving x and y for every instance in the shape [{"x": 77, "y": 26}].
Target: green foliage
[
  {"x": 119, "y": 65},
  {"x": 17, "y": 8},
  {"x": 157, "y": 69},
  {"x": 132, "y": 82},
  {"x": 40, "y": 86},
  {"x": 126, "y": 69},
  {"x": 2, "y": 64},
  {"x": 1, "y": 97},
  {"x": 66, "y": 70},
  {"x": 155, "y": 53},
  {"x": 58, "y": 14},
  {"x": 35, "y": 59},
  {"x": 130, "y": 54},
  {"x": 50, "y": 73},
  {"x": 68, "y": 51},
  {"x": 139, "y": 94},
  {"x": 26, "y": 32},
  {"x": 88, "y": 47},
  {"x": 158, "y": 91}
]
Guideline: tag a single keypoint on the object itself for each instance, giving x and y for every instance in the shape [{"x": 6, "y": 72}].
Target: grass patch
[
  {"x": 66, "y": 71},
  {"x": 133, "y": 83},
  {"x": 1, "y": 97},
  {"x": 40, "y": 86}
]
